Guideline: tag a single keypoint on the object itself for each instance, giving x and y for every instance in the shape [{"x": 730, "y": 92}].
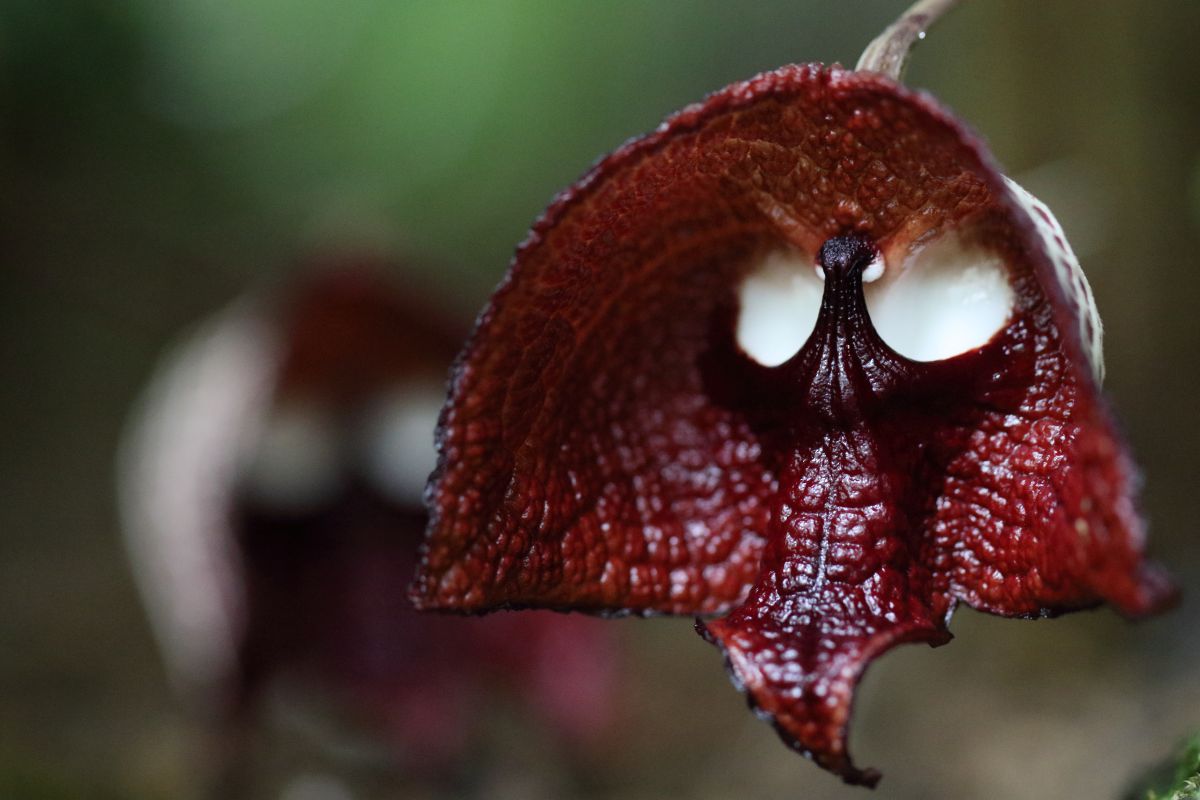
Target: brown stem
[{"x": 888, "y": 53}]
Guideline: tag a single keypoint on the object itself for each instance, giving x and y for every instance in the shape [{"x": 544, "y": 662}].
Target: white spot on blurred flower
[
  {"x": 397, "y": 441},
  {"x": 296, "y": 465}
]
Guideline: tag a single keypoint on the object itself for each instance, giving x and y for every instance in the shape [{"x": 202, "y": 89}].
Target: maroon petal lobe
[{"x": 611, "y": 445}]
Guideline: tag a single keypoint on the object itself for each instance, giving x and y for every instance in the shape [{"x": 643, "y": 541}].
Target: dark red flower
[
  {"x": 682, "y": 400},
  {"x": 272, "y": 490}
]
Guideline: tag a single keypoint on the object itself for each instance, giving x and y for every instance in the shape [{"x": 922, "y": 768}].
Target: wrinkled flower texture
[{"x": 613, "y": 444}]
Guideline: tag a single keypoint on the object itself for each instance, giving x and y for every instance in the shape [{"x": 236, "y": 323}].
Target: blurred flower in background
[
  {"x": 271, "y": 493},
  {"x": 160, "y": 158}
]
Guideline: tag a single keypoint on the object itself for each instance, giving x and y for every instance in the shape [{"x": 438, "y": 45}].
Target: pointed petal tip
[
  {"x": 824, "y": 746},
  {"x": 804, "y": 690}
]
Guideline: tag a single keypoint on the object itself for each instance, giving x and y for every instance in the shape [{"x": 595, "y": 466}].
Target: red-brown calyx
[{"x": 607, "y": 445}]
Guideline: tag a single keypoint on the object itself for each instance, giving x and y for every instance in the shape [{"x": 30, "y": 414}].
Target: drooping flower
[
  {"x": 802, "y": 360},
  {"x": 272, "y": 500}
]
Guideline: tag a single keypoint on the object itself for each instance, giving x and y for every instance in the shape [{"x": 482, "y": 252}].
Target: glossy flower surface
[{"x": 614, "y": 442}]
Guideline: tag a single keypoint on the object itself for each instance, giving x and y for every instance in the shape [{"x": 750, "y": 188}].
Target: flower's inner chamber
[{"x": 944, "y": 298}]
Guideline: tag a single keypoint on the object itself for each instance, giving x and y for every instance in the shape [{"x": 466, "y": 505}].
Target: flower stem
[{"x": 888, "y": 53}]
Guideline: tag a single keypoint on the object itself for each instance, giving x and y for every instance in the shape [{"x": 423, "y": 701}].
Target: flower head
[{"x": 802, "y": 359}]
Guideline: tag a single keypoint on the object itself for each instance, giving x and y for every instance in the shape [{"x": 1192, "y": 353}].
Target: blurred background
[{"x": 159, "y": 158}]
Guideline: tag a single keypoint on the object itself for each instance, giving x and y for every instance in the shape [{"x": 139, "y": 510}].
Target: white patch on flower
[
  {"x": 779, "y": 302},
  {"x": 874, "y": 270},
  {"x": 397, "y": 440},
  {"x": 949, "y": 296},
  {"x": 1069, "y": 275}
]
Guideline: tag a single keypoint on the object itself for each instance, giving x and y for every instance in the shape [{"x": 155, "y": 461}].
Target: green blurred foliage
[{"x": 1176, "y": 779}]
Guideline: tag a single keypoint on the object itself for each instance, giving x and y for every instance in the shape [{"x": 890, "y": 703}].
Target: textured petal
[
  {"x": 839, "y": 587},
  {"x": 609, "y": 446},
  {"x": 582, "y": 460},
  {"x": 801, "y": 678},
  {"x": 1036, "y": 515}
]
